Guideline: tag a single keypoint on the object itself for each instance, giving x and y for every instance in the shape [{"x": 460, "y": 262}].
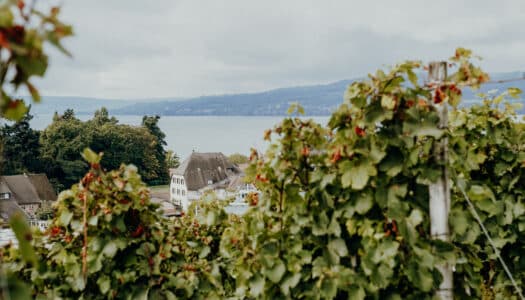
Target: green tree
[
  {"x": 62, "y": 142},
  {"x": 172, "y": 160},
  {"x": 21, "y": 148},
  {"x": 238, "y": 158},
  {"x": 126, "y": 144},
  {"x": 152, "y": 124},
  {"x": 64, "y": 139},
  {"x": 69, "y": 114},
  {"x": 101, "y": 117}
]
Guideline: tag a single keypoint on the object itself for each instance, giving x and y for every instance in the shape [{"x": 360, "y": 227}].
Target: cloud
[{"x": 165, "y": 48}]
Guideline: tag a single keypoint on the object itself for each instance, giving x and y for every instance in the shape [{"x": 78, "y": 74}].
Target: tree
[
  {"x": 62, "y": 142},
  {"x": 68, "y": 115},
  {"x": 101, "y": 117},
  {"x": 172, "y": 160},
  {"x": 21, "y": 148},
  {"x": 238, "y": 158},
  {"x": 124, "y": 144},
  {"x": 151, "y": 123},
  {"x": 65, "y": 138}
]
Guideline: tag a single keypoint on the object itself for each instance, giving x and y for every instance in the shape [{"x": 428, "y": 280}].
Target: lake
[{"x": 184, "y": 134}]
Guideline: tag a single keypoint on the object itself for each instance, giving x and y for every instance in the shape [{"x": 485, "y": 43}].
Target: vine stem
[
  {"x": 281, "y": 191},
  {"x": 84, "y": 247}
]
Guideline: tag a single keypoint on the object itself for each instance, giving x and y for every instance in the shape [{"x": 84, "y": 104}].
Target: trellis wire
[{"x": 491, "y": 242}]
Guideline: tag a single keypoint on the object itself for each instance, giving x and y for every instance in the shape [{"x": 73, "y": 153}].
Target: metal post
[{"x": 440, "y": 190}]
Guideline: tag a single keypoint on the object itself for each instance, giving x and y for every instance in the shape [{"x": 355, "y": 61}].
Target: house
[
  {"x": 24, "y": 193},
  {"x": 198, "y": 173}
]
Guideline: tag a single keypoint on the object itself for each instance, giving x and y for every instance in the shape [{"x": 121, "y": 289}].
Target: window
[
  {"x": 5, "y": 195},
  {"x": 183, "y": 192},
  {"x": 182, "y": 181},
  {"x": 173, "y": 190}
]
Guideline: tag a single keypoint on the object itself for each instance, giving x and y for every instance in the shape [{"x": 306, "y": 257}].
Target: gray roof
[
  {"x": 22, "y": 189},
  {"x": 8, "y": 208},
  {"x": 200, "y": 168},
  {"x": 43, "y": 187}
]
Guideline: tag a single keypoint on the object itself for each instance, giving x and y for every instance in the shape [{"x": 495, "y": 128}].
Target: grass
[{"x": 160, "y": 188}]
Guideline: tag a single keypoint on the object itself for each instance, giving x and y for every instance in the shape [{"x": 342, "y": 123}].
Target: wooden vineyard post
[{"x": 439, "y": 191}]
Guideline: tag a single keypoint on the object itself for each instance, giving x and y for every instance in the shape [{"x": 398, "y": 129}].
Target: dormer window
[{"x": 5, "y": 196}]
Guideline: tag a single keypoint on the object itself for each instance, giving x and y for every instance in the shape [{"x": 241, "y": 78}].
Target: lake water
[{"x": 184, "y": 134}]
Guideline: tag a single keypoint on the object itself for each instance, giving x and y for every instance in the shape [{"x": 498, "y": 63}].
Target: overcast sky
[{"x": 168, "y": 48}]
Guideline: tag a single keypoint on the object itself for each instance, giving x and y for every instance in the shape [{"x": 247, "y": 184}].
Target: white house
[
  {"x": 179, "y": 192},
  {"x": 198, "y": 173}
]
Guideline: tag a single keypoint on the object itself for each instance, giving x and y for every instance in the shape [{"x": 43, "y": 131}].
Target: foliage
[
  {"x": 151, "y": 123},
  {"x": 45, "y": 211},
  {"x": 64, "y": 139},
  {"x": 24, "y": 32},
  {"x": 487, "y": 149},
  {"x": 237, "y": 158},
  {"x": 344, "y": 210},
  {"x": 20, "y": 151},
  {"x": 61, "y": 143},
  {"x": 108, "y": 240},
  {"x": 172, "y": 160}
]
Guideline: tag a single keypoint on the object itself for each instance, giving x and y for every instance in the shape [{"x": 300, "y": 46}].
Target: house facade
[
  {"x": 179, "y": 191},
  {"x": 198, "y": 173}
]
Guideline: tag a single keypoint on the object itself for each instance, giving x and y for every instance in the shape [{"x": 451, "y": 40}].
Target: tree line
[{"x": 56, "y": 150}]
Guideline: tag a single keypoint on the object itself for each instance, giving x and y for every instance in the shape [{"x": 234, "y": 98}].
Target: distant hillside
[
  {"x": 316, "y": 99},
  {"x": 84, "y": 105},
  {"x": 81, "y": 105}
]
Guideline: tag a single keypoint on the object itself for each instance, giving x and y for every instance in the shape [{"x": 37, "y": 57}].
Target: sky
[{"x": 130, "y": 49}]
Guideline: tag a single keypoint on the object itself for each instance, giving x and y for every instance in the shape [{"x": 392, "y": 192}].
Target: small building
[
  {"x": 24, "y": 192},
  {"x": 197, "y": 173}
]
